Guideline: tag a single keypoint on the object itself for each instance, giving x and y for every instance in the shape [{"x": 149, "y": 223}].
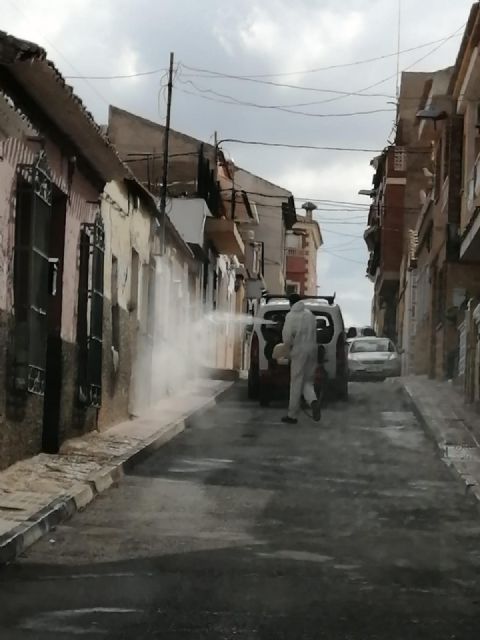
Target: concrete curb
[
  {"x": 427, "y": 427},
  {"x": 471, "y": 483},
  {"x": 18, "y": 539}
]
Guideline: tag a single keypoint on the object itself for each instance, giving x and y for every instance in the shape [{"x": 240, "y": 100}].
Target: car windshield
[
  {"x": 273, "y": 332},
  {"x": 378, "y": 345}
]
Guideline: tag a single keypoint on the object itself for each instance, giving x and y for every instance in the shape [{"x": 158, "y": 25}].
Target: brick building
[
  {"x": 384, "y": 237},
  {"x": 302, "y": 244}
]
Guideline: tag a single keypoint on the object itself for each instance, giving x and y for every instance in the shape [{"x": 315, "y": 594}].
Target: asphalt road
[{"x": 245, "y": 528}]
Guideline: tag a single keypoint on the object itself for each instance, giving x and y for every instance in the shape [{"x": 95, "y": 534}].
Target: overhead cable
[
  {"x": 354, "y": 63},
  {"x": 234, "y": 102}
]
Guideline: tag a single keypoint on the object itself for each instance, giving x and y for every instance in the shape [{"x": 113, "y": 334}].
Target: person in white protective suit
[{"x": 299, "y": 335}]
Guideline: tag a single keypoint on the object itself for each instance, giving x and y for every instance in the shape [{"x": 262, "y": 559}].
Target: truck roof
[{"x": 283, "y": 303}]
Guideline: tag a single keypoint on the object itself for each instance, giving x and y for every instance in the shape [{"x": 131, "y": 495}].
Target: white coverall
[{"x": 300, "y": 335}]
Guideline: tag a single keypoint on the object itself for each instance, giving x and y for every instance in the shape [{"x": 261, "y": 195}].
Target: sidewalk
[
  {"x": 454, "y": 426},
  {"x": 38, "y": 493}
]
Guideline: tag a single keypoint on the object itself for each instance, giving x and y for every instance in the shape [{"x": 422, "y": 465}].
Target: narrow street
[{"x": 243, "y": 527}]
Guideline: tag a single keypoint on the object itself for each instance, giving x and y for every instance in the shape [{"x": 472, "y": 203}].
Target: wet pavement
[{"x": 245, "y": 528}]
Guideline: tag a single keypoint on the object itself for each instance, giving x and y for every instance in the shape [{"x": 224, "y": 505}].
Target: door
[
  {"x": 54, "y": 362},
  {"x": 433, "y": 321}
]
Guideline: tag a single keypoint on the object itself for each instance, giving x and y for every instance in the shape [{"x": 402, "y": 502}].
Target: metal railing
[{"x": 300, "y": 253}]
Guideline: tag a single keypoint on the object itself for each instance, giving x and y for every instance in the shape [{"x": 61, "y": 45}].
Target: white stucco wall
[
  {"x": 271, "y": 229},
  {"x": 124, "y": 230}
]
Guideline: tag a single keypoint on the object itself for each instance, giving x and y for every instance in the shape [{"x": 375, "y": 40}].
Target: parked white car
[
  {"x": 373, "y": 359},
  {"x": 360, "y": 332}
]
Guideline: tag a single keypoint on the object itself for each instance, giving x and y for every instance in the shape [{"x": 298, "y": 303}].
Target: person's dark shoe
[
  {"x": 288, "y": 420},
  {"x": 316, "y": 410}
]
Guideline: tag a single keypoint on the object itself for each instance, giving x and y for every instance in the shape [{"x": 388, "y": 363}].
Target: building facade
[
  {"x": 384, "y": 237},
  {"x": 302, "y": 244},
  {"x": 54, "y": 164},
  {"x": 200, "y": 209},
  {"x": 437, "y": 304}
]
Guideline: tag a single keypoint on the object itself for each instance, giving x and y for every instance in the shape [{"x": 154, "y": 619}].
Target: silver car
[{"x": 372, "y": 359}]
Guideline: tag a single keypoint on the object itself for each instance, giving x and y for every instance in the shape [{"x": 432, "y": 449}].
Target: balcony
[
  {"x": 473, "y": 188},
  {"x": 225, "y": 237},
  {"x": 297, "y": 253},
  {"x": 470, "y": 242}
]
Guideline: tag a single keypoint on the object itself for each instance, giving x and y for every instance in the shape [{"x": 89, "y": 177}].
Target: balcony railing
[
  {"x": 473, "y": 187},
  {"x": 298, "y": 253}
]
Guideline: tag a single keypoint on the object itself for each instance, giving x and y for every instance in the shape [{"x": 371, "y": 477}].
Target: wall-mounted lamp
[{"x": 432, "y": 113}]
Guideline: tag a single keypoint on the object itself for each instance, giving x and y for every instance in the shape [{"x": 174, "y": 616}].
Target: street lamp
[{"x": 432, "y": 113}]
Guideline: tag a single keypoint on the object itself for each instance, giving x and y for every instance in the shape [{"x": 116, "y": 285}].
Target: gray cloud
[{"x": 272, "y": 36}]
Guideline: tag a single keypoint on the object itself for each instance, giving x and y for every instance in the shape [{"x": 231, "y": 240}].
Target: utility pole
[{"x": 164, "y": 190}]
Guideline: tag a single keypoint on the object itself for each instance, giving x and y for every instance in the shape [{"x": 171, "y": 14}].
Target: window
[
  {"x": 446, "y": 151},
  {"x": 90, "y": 312},
  {"x": 115, "y": 308},
  {"x": 399, "y": 159},
  {"x": 440, "y": 294},
  {"x": 325, "y": 328},
  {"x": 134, "y": 274},
  {"x": 151, "y": 300},
  {"x": 378, "y": 345},
  {"x": 292, "y": 287},
  {"x": 272, "y": 332},
  {"x": 144, "y": 298},
  {"x": 293, "y": 241},
  {"x": 438, "y": 171},
  {"x": 31, "y": 274}
]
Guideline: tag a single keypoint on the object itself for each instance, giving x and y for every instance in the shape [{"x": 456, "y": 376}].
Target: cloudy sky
[{"x": 285, "y": 42}]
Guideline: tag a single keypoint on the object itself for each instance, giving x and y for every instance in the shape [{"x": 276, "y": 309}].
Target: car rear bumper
[
  {"x": 360, "y": 375},
  {"x": 279, "y": 377}
]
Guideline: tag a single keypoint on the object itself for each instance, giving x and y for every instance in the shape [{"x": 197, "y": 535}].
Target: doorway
[{"x": 54, "y": 361}]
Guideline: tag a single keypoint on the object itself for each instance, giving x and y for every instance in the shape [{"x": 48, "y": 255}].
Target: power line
[
  {"x": 144, "y": 157},
  {"x": 336, "y": 255},
  {"x": 348, "y": 222},
  {"x": 319, "y": 148},
  {"x": 267, "y": 106},
  {"x": 380, "y": 82},
  {"x": 229, "y": 76},
  {"x": 215, "y": 74},
  {"x": 345, "y": 245},
  {"x": 362, "y": 204},
  {"x": 121, "y": 76},
  {"x": 346, "y": 249},
  {"x": 297, "y": 146},
  {"x": 239, "y": 103},
  {"x": 151, "y": 72},
  {"x": 349, "y": 206},
  {"x": 347, "y": 235}
]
